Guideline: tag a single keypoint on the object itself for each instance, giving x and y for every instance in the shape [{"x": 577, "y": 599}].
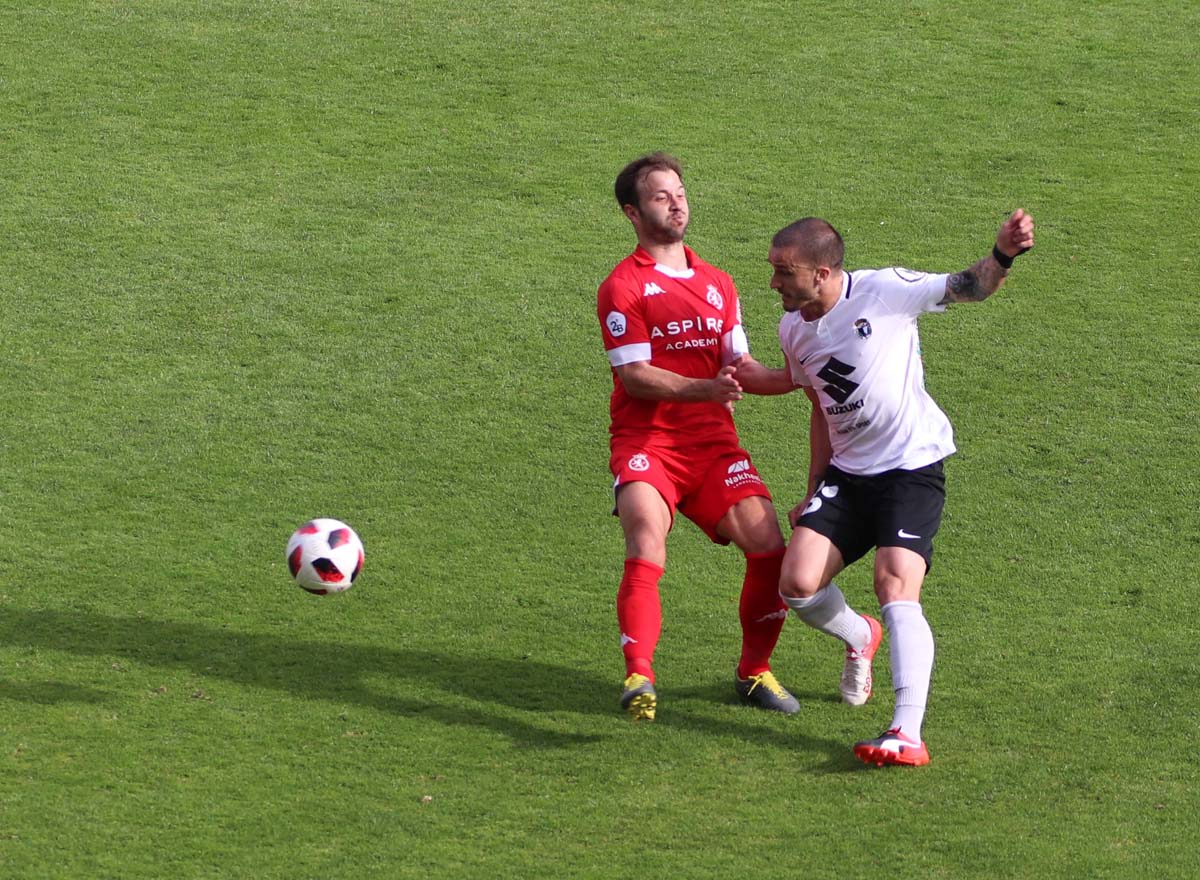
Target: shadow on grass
[
  {"x": 472, "y": 690},
  {"x": 47, "y": 693},
  {"x": 839, "y": 758}
]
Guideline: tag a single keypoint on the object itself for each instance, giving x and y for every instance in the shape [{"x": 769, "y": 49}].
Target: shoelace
[{"x": 768, "y": 681}]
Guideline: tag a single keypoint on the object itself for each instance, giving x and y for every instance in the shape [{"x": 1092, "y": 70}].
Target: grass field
[{"x": 267, "y": 261}]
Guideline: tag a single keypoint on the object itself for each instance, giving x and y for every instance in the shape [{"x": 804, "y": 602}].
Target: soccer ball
[{"x": 325, "y": 556}]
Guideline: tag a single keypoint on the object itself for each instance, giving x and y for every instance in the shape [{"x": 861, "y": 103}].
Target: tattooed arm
[
  {"x": 977, "y": 283},
  {"x": 985, "y": 277}
]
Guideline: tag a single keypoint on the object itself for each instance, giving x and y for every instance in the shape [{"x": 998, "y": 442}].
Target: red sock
[
  {"x": 762, "y": 612},
  {"x": 639, "y": 614}
]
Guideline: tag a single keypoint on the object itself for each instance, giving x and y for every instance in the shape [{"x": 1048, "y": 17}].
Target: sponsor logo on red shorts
[{"x": 740, "y": 473}]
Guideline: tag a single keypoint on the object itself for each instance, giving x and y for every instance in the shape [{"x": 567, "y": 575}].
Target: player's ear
[{"x": 631, "y": 212}]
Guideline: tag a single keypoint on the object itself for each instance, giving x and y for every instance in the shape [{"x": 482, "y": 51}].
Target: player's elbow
[{"x": 636, "y": 381}]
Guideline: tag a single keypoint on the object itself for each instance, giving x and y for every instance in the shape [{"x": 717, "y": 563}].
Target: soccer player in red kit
[{"x": 672, "y": 329}]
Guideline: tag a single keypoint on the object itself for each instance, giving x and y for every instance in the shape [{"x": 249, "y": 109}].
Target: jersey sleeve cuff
[{"x": 629, "y": 354}]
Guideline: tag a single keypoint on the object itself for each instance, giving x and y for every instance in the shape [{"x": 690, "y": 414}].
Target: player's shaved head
[
  {"x": 813, "y": 239},
  {"x": 630, "y": 179}
]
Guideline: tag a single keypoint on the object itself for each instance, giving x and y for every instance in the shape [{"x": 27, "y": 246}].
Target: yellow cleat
[
  {"x": 765, "y": 692},
  {"x": 639, "y": 699}
]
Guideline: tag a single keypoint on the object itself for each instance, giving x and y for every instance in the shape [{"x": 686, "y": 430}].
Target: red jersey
[{"x": 687, "y": 322}]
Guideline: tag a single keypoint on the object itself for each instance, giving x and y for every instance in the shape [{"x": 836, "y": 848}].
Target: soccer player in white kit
[{"x": 877, "y": 441}]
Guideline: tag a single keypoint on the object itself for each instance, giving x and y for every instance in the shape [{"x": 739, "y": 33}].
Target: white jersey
[{"x": 863, "y": 358}]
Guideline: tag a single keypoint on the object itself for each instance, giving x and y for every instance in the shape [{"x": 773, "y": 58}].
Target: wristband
[{"x": 1003, "y": 259}]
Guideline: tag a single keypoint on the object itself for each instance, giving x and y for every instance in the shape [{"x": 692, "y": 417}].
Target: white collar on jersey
[{"x": 675, "y": 273}]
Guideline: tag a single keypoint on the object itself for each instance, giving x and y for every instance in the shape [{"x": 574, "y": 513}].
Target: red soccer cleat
[{"x": 892, "y": 747}]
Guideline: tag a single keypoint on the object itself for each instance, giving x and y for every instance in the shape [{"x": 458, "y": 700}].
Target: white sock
[
  {"x": 826, "y": 610},
  {"x": 910, "y": 642}
]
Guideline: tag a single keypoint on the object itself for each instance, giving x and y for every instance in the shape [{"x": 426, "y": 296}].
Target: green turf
[{"x": 268, "y": 261}]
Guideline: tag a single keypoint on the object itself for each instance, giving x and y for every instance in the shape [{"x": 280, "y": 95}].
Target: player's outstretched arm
[
  {"x": 648, "y": 382},
  {"x": 985, "y": 277},
  {"x": 757, "y": 378}
]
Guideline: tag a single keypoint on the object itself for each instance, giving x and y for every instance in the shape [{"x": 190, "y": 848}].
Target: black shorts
[{"x": 896, "y": 508}]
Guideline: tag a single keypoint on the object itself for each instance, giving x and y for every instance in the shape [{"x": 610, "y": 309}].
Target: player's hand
[
  {"x": 798, "y": 511},
  {"x": 1016, "y": 234},
  {"x": 736, "y": 366},
  {"x": 725, "y": 388}
]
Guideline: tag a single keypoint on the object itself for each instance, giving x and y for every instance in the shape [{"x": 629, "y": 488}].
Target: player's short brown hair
[
  {"x": 632, "y": 175},
  {"x": 815, "y": 239}
]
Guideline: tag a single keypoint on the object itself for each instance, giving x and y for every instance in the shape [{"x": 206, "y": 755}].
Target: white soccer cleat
[{"x": 856, "y": 673}]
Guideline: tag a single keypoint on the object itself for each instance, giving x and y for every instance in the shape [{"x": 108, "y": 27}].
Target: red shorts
[{"x": 702, "y": 483}]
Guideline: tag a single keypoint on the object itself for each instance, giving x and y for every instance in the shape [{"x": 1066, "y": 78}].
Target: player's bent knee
[
  {"x": 894, "y": 589},
  {"x": 798, "y": 585},
  {"x": 761, "y": 543},
  {"x": 751, "y": 524},
  {"x": 646, "y": 544},
  {"x": 899, "y": 574}
]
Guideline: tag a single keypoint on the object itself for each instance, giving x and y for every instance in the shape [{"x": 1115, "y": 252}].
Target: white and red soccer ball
[{"x": 325, "y": 556}]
